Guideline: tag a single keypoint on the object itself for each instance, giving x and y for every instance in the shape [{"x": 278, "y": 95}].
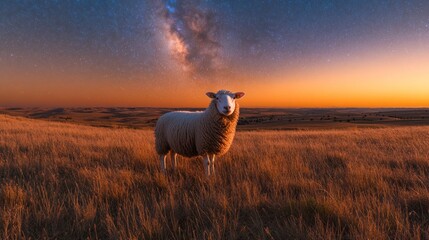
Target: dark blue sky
[{"x": 123, "y": 31}]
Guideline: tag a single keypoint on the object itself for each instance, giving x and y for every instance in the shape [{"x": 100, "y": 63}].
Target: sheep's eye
[{"x": 217, "y": 98}]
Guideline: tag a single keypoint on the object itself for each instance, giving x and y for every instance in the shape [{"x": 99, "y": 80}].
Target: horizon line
[{"x": 258, "y": 107}]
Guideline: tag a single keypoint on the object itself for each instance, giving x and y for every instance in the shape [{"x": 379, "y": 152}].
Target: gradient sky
[{"x": 324, "y": 53}]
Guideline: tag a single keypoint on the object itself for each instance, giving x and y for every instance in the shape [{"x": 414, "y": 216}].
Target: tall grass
[{"x": 68, "y": 181}]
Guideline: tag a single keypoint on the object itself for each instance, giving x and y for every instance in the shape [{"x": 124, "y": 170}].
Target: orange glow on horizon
[{"x": 376, "y": 80}]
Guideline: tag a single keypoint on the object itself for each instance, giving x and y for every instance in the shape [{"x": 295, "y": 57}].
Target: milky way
[
  {"x": 192, "y": 33},
  {"x": 202, "y": 35}
]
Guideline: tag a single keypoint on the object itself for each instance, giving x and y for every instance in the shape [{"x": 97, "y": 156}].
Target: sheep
[{"x": 206, "y": 133}]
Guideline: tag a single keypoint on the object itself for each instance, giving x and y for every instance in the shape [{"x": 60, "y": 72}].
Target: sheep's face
[{"x": 225, "y": 101}]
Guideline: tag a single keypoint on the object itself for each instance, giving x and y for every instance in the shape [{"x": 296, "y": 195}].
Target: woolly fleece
[{"x": 193, "y": 134}]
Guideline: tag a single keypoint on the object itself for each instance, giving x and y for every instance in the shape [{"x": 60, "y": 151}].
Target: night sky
[{"x": 168, "y": 53}]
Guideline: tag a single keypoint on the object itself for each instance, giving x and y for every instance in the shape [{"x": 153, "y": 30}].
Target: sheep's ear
[
  {"x": 238, "y": 95},
  {"x": 211, "y": 94}
]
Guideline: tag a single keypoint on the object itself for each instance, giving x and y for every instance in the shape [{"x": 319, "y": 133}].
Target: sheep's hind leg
[
  {"x": 212, "y": 164},
  {"x": 174, "y": 159},
  {"x": 162, "y": 160},
  {"x": 207, "y": 165}
]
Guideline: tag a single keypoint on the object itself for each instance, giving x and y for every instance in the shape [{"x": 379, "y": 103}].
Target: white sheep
[{"x": 207, "y": 133}]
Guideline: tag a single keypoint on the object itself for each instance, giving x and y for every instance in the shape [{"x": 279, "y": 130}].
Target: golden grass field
[{"x": 60, "y": 180}]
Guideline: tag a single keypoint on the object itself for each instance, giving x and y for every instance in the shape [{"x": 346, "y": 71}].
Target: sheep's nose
[{"x": 227, "y": 108}]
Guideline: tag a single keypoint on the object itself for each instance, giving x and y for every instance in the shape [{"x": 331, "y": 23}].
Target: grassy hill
[
  {"x": 60, "y": 180},
  {"x": 250, "y": 118}
]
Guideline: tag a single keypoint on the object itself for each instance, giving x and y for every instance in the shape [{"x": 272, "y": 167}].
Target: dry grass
[{"x": 68, "y": 181}]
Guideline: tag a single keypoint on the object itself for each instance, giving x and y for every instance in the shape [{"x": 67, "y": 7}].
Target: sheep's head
[{"x": 225, "y": 101}]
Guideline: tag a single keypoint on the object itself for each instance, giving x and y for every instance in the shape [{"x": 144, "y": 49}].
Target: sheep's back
[{"x": 178, "y": 131}]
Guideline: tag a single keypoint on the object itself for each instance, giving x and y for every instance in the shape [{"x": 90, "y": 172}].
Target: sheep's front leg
[
  {"x": 212, "y": 164},
  {"x": 206, "y": 165},
  {"x": 174, "y": 159},
  {"x": 162, "y": 160}
]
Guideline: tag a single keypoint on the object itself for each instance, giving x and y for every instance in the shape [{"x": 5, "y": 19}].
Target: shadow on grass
[{"x": 310, "y": 211}]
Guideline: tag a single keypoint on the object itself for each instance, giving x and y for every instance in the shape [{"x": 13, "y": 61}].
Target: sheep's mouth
[{"x": 226, "y": 112}]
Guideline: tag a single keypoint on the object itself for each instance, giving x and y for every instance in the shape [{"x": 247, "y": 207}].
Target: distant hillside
[{"x": 250, "y": 118}]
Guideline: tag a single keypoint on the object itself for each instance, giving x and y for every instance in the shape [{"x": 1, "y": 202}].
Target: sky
[{"x": 168, "y": 53}]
